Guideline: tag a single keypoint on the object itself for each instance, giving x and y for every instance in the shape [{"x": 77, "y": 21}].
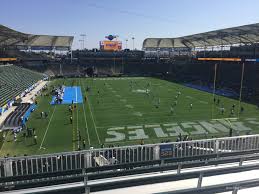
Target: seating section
[
  {"x": 14, "y": 119},
  {"x": 15, "y": 80}
]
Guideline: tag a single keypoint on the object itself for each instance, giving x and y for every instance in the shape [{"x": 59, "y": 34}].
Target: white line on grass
[
  {"x": 77, "y": 130},
  {"x": 93, "y": 120},
  {"x": 86, "y": 125},
  {"x": 47, "y": 128}
]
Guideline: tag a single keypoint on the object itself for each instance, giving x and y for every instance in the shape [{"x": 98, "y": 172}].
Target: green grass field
[{"x": 123, "y": 113}]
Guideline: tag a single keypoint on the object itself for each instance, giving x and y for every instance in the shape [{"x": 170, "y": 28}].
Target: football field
[{"x": 126, "y": 111}]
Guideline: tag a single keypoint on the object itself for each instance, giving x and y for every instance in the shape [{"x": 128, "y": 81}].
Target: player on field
[
  {"x": 242, "y": 109},
  {"x": 191, "y": 106},
  {"x": 218, "y": 101},
  {"x": 222, "y": 110},
  {"x": 232, "y": 111},
  {"x": 172, "y": 110}
]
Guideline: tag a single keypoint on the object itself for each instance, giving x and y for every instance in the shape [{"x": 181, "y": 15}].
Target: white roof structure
[
  {"x": 10, "y": 37},
  {"x": 247, "y": 34}
]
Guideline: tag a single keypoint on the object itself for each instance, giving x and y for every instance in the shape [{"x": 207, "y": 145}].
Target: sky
[{"x": 126, "y": 18}]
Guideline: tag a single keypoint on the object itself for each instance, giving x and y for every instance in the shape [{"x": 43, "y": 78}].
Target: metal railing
[{"x": 58, "y": 162}]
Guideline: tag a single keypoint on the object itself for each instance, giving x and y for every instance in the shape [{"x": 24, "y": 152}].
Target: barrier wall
[{"x": 58, "y": 162}]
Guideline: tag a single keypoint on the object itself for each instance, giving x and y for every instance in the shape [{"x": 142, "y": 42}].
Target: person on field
[
  {"x": 35, "y": 139},
  {"x": 232, "y": 112},
  {"x": 83, "y": 144},
  {"x": 191, "y": 106},
  {"x": 71, "y": 120},
  {"x": 242, "y": 109},
  {"x": 222, "y": 110},
  {"x": 79, "y": 135},
  {"x": 15, "y": 137},
  {"x": 218, "y": 101},
  {"x": 42, "y": 114},
  {"x": 172, "y": 110}
]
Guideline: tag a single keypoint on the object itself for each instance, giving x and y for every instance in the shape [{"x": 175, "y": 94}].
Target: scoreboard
[{"x": 108, "y": 45}]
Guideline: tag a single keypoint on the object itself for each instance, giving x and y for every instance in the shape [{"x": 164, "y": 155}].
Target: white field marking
[
  {"x": 47, "y": 128},
  {"x": 116, "y": 128},
  {"x": 134, "y": 127},
  {"x": 139, "y": 114},
  {"x": 230, "y": 119},
  {"x": 86, "y": 125},
  {"x": 77, "y": 130},
  {"x": 123, "y": 100},
  {"x": 189, "y": 97},
  {"x": 129, "y": 106},
  {"x": 147, "y": 126},
  {"x": 203, "y": 102},
  {"x": 163, "y": 124},
  {"x": 117, "y": 95},
  {"x": 93, "y": 120}
]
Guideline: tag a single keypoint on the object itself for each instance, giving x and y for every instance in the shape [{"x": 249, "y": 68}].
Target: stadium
[{"x": 81, "y": 120}]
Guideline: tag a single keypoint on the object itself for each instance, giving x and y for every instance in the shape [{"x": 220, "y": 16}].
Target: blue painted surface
[
  {"x": 221, "y": 92},
  {"x": 28, "y": 113},
  {"x": 71, "y": 94},
  {"x": 252, "y": 60}
]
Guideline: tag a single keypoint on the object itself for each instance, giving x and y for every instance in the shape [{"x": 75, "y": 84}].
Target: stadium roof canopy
[
  {"x": 247, "y": 34},
  {"x": 10, "y": 37}
]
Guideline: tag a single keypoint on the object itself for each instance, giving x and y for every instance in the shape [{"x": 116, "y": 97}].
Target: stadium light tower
[
  {"x": 133, "y": 46},
  {"x": 81, "y": 44},
  {"x": 127, "y": 43},
  {"x": 83, "y": 39}
]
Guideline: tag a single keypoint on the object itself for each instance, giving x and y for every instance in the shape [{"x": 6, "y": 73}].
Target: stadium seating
[
  {"x": 14, "y": 119},
  {"x": 15, "y": 80}
]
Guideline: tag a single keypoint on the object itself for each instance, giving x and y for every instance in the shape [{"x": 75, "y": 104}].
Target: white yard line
[
  {"x": 77, "y": 130},
  {"x": 93, "y": 120},
  {"x": 47, "y": 128},
  {"x": 86, "y": 125}
]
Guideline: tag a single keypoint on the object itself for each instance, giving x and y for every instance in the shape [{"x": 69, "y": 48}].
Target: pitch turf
[{"x": 125, "y": 111}]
